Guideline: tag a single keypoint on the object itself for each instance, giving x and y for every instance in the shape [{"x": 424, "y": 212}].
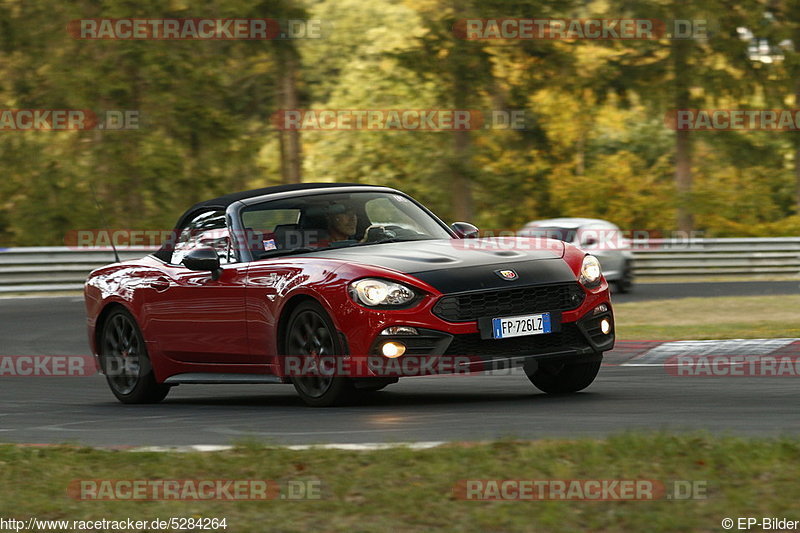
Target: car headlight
[
  {"x": 379, "y": 293},
  {"x": 590, "y": 271}
]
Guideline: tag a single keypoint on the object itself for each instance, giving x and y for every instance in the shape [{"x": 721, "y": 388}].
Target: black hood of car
[{"x": 453, "y": 265}]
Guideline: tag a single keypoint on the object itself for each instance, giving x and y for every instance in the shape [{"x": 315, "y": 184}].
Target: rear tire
[
  {"x": 125, "y": 363},
  {"x": 310, "y": 333},
  {"x": 564, "y": 378}
]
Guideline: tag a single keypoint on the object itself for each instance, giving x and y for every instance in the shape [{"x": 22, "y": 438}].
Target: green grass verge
[
  {"x": 405, "y": 490},
  {"x": 709, "y": 318}
]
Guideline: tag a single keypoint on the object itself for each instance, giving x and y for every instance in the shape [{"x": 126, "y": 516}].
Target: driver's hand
[{"x": 377, "y": 232}]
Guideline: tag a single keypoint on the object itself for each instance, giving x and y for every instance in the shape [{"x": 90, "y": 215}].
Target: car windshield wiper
[
  {"x": 334, "y": 246},
  {"x": 292, "y": 251},
  {"x": 390, "y": 239}
]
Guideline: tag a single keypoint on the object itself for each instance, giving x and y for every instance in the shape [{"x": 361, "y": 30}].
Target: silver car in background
[{"x": 601, "y": 238}]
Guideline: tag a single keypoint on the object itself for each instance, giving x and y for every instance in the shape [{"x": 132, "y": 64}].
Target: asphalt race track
[
  {"x": 664, "y": 291},
  {"x": 82, "y": 409}
]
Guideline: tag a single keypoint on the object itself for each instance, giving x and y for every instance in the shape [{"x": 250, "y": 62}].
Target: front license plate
[{"x": 518, "y": 326}]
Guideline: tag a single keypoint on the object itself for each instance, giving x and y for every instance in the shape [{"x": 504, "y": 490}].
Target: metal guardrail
[
  {"x": 54, "y": 268},
  {"x": 717, "y": 257}
]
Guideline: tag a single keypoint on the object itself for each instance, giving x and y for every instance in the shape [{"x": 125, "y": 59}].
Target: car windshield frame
[{"x": 237, "y": 210}]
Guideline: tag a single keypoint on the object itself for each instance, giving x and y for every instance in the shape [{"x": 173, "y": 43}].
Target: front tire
[
  {"x": 564, "y": 378},
  {"x": 310, "y": 334},
  {"x": 125, "y": 363}
]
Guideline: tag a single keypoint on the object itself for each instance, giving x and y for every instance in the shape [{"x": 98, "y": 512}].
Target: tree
[
  {"x": 684, "y": 72},
  {"x": 779, "y": 30}
]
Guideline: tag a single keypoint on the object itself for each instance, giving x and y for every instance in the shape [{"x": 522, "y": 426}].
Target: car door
[
  {"x": 191, "y": 317},
  {"x": 268, "y": 278}
]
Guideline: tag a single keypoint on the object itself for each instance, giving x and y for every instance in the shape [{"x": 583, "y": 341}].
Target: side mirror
[
  {"x": 203, "y": 259},
  {"x": 589, "y": 241},
  {"x": 465, "y": 230}
]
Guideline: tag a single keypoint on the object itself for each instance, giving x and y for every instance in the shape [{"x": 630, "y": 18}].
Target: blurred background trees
[{"x": 595, "y": 141}]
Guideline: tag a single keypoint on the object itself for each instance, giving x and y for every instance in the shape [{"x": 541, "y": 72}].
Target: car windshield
[
  {"x": 552, "y": 232},
  {"x": 335, "y": 220}
]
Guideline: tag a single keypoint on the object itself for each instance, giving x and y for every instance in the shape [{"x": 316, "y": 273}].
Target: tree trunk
[
  {"x": 461, "y": 183},
  {"x": 291, "y": 156},
  {"x": 462, "y": 88},
  {"x": 683, "y": 179},
  {"x": 797, "y": 148},
  {"x": 683, "y": 152}
]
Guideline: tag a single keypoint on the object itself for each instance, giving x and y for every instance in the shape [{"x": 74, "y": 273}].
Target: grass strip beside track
[
  {"x": 406, "y": 490},
  {"x": 734, "y": 317}
]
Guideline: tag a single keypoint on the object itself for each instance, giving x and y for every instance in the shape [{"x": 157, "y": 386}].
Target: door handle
[{"x": 160, "y": 284}]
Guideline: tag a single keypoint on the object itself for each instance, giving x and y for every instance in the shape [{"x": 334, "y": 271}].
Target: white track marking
[
  {"x": 370, "y": 446},
  {"x": 657, "y": 355}
]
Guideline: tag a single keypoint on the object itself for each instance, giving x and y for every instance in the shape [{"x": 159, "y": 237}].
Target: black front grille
[
  {"x": 472, "y": 344},
  {"x": 469, "y": 306}
]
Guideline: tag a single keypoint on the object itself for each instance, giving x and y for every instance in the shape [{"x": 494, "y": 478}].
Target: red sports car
[{"x": 341, "y": 289}]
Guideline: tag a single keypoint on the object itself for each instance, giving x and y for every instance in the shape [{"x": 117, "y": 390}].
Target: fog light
[
  {"x": 605, "y": 326},
  {"x": 393, "y": 349},
  {"x": 399, "y": 330}
]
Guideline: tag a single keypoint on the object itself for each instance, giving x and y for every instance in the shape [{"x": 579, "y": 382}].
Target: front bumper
[
  {"x": 441, "y": 352},
  {"x": 449, "y": 339}
]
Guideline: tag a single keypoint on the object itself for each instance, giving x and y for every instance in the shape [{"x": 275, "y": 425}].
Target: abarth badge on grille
[{"x": 508, "y": 275}]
